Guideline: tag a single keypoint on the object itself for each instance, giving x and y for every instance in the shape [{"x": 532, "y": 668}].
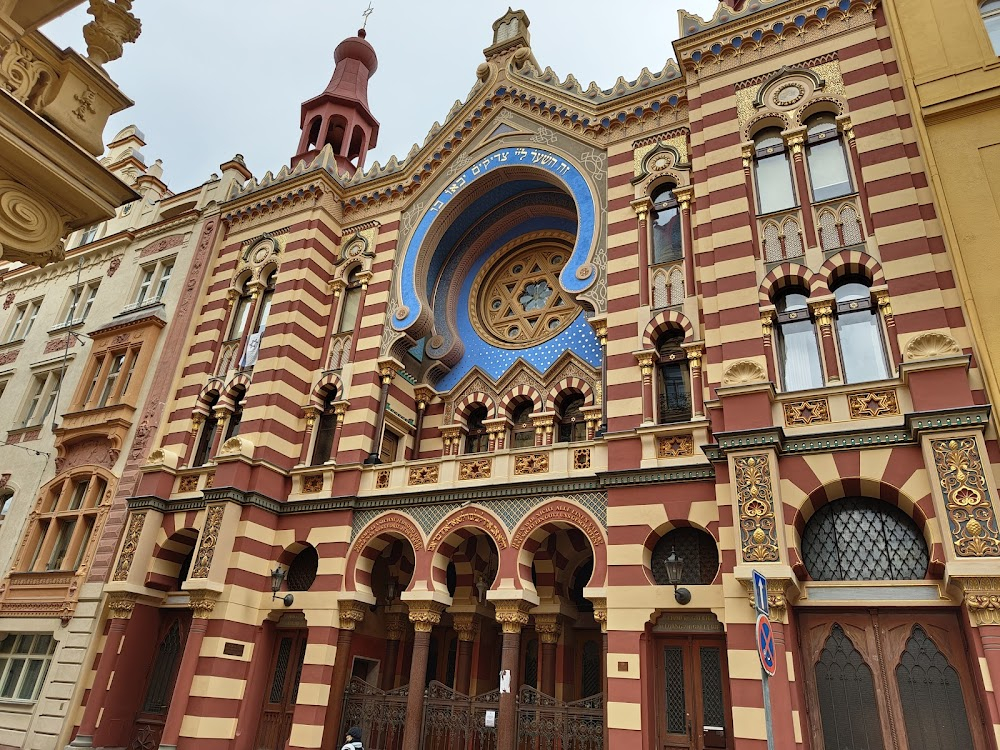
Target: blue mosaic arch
[{"x": 576, "y": 277}]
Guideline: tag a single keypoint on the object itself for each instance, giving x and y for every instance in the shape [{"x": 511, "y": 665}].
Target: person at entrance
[{"x": 353, "y": 740}]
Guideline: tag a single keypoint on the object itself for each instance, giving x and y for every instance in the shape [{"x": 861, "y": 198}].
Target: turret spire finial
[{"x": 367, "y": 12}]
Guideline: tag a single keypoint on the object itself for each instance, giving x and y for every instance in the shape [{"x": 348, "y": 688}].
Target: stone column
[
  {"x": 422, "y": 395},
  {"x": 351, "y": 613},
  {"x": 311, "y": 413},
  {"x": 794, "y": 143},
  {"x": 684, "y": 197},
  {"x": 601, "y": 616},
  {"x": 120, "y": 606},
  {"x": 767, "y": 330},
  {"x": 466, "y": 625},
  {"x": 394, "y": 630},
  {"x": 641, "y": 208},
  {"x": 387, "y": 372},
  {"x": 747, "y": 149},
  {"x": 512, "y": 616},
  {"x": 424, "y": 615},
  {"x": 365, "y": 278},
  {"x": 885, "y": 308},
  {"x": 549, "y": 629},
  {"x": 645, "y": 359},
  {"x": 221, "y": 415},
  {"x": 847, "y": 128},
  {"x": 694, "y": 355},
  {"x": 339, "y": 410},
  {"x": 202, "y": 602},
  {"x": 600, "y": 326},
  {"x": 822, "y": 312}
]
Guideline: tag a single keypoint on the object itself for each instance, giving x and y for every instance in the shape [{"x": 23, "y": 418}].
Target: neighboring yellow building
[{"x": 948, "y": 54}]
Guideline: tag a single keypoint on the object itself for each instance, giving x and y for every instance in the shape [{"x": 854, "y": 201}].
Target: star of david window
[{"x": 517, "y": 300}]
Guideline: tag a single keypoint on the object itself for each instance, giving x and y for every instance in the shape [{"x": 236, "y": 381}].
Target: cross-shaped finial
[{"x": 366, "y": 13}]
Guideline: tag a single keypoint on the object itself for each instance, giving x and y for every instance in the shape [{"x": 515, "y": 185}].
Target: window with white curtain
[
  {"x": 829, "y": 176},
  {"x": 772, "y": 172},
  {"x": 797, "y": 344},
  {"x": 859, "y": 332}
]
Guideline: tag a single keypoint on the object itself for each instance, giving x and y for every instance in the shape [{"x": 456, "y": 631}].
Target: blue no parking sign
[{"x": 765, "y": 644}]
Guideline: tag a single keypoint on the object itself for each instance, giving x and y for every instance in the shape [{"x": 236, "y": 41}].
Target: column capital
[
  {"x": 823, "y": 312},
  {"x": 423, "y": 395},
  {"x": 351, "y": 613},
  {"x": 766, "y": 321},
  {"x": 981, "y": 594},
  {"x": 395, "y": 627},
  {"x": 548, "y": 627},
  {"x": 601, "y": 612},
  {"x": 694, "y": 353},
  {"x": 466, "y": 624},
  {"x": 424, "y": 615},
  {"x": 512, "y": 614},
  {"x": 121, "y": 605},
  {"x": 340, "y": 409},
  {"x": 684, "y": 196},
  {"x": 645, "y": 358},
  {"x": 642, "y": 207},
  {"x": 777, "y": 596},
  {"x": 202, "y": 603}
]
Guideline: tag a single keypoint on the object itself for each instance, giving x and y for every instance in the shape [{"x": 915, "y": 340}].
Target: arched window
[
  {"x": 233, "y": 424},
  {"x": 772, "y": 172},
  {"x": 695, "y": 547},
  {"x": 990, "y": 11},
  {"x": 666, "y": 226},
  {"x": 327, "y": 425},
  {"x": 302, "y": 571},
  {"x": 241, "y": 314},
  {"x": 351, "y": 304},
  {"x": 208, "y": 429},
  {"x": 264, "y": 308},
  {"x": 674, "y": 379},
  {"x": 6, "y": 500},
  {"x": 478, "y": 440},
  {"x": 524, "y": 429},
  {"x": 797, "y": 346},
  {"x": 827, "y": 160},
  {"x": 572, "y": 425},
  {"x": 859, "y": 332},
  {"x": 863, "y": 539}
]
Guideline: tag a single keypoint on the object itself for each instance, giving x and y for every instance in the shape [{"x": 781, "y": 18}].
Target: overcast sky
[{"x": 212, "y": 78}]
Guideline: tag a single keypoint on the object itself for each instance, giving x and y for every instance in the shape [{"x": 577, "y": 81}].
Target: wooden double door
[
  {"x": 889, "y": 680},
  {"x": 282, "y": 689},
  {"x": 693, "y": 704}
]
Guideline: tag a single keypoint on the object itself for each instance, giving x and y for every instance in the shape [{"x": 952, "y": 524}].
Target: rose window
[{"x": 517, "y": 300}]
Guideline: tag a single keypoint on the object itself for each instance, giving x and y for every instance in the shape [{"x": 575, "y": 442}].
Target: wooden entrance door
[
  {"x": 282, "y": 690},
  {"x": 884, "y": 680},
  {"x": 152, "y": 714},
  {"x": 693, "y": 707}
]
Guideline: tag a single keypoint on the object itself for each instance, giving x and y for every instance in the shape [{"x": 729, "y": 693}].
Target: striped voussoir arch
[
  {"x": 661, "y": 530},
  {"x": 175, "y": 542},
  {"x": 508, "y": 399},
  {"x": 372, "y": 541},
  {"x": 227, "y": 397},
  {"x": 452, "y": 536},
  {"x": 571, "y": 384},
  {"x": 319, "y": 392},
  {"x": 663, "y": 322},
  {"x": 547, "y": 521},
  {"x": 893, "y": 475},
  {"x": 786, "y": 275},
  {"x": 210, "y": 392},
  {"x": 851, "y": 263},
  {"x": 556, "y": 559},
  {"x": 463, "y": 407}
]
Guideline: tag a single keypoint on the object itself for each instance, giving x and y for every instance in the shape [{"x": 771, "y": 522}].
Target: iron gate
[{"x": 453, "y": 721}]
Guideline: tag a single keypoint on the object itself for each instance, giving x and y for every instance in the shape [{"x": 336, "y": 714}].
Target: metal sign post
[{"x": 765, "y": 650}]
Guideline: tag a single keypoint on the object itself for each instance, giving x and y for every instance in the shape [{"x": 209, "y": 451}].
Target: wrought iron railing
[{"x": 454, "y": 721}]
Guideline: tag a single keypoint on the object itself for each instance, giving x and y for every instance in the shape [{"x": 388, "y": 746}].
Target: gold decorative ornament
[
  {"x": 548, "y": 628},
  {"x": 777, "y": 601},
  {"x": 209, "y": 538},
  {"x": 466, "y": 624},
  {"x": 382, "y": 479},
  {"x": 121, "y": 606},
  {"x": 804, "y": 413},
  {"x": 581, "y": 458},
  {"x": 350, "y": 613},
  {"x": 872, "y": 404},
  {"x": 982, "y": 597},
  {"x": 512, "y": 614},
  {"x": 423, "y": 475},
  {"x": 477, "y": 469},
  {"x": 675, "y": 446},
  {"x": 312, "y": 483},
  {"x": 967, "y": 497},
  {"x": 202, "y": 604},
  {"x": 424, "y": 615},
  {"x": 132, "y": 534},
  {"x": 517, "y": 299},
  {"x": 758, "y": 526},
  {"x": 188, "y": 484},
  {"x": 531, "y": 463},
  {"x": 474, "y": 518}
]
